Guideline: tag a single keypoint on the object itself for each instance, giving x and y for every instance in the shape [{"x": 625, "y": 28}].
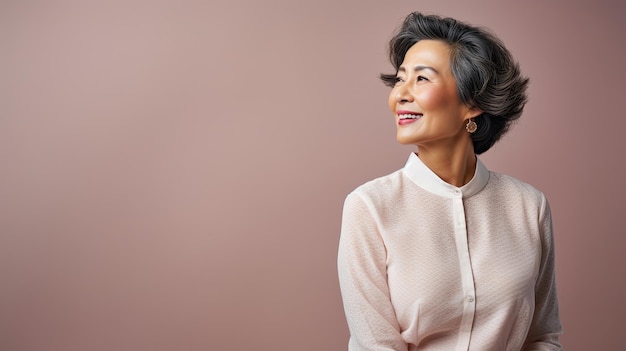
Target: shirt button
[
  {"x": 470, "y": 299},
  {"x": 457, "y": 192}
]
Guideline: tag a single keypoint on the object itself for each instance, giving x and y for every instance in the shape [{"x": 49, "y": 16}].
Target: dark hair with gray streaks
[{"x": 487, "y": 76}]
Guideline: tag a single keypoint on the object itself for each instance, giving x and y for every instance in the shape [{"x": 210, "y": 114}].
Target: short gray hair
[{"x": 487, "y": 76}]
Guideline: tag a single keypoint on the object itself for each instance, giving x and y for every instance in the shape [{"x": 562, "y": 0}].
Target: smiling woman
[{"x": 444, "y": 254}]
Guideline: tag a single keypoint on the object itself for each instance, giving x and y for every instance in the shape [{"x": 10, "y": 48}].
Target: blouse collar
[{"x": 425, "y": 178}]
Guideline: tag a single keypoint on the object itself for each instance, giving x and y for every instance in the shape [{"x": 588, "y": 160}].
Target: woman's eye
[
  {"x": 419, "y": 78},
  {"x": 398, "y": 80}
]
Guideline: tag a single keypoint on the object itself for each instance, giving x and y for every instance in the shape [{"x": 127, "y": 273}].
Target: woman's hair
[{"x": 487, "y": 76}]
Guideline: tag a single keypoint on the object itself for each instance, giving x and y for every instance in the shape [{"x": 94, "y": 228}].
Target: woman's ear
[{"x": 472, "y": 112}]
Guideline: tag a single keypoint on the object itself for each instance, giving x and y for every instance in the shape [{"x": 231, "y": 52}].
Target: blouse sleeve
[
  {"x": 546, "y": 326},
  {"x": 363, "y": 281}
]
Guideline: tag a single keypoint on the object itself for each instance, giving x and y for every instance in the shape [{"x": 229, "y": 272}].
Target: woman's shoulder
[
  {"x": 512, "y": 186},
  {"x": 379, "y": 188}
]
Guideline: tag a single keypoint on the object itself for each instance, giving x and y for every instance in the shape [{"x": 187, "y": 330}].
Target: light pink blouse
[{"x": 425, "y": 265}]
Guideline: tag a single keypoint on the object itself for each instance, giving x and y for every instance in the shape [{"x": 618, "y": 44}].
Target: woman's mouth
[{"x": 408, "y": 117}]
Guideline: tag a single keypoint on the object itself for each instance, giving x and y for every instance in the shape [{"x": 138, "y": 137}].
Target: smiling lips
[{"x": 406, "y": 117}]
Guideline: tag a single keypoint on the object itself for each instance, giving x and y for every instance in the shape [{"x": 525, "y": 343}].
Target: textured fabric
[{"x": 425, "y": 265}]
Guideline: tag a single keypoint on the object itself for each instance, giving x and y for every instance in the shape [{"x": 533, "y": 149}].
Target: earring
[{"x": 471, "y": 126}]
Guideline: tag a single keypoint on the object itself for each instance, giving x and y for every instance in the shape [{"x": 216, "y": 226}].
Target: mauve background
[{"x": 173, "y": 172}]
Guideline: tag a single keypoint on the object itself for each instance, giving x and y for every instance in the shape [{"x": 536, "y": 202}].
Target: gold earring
[{"x": 471, "y": 126}]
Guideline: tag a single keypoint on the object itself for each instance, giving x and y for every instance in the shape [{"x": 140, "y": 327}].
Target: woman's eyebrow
[{"x": 418, "y": 68}]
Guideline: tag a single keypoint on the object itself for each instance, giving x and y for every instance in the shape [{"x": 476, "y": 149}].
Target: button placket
[{"x": 465, "y": 266}]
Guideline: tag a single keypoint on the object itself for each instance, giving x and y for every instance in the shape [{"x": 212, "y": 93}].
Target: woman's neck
[{"x": 454, "y": 166}]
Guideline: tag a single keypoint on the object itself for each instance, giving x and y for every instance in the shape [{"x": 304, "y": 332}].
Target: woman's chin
[{"x": 406, "y": 140}]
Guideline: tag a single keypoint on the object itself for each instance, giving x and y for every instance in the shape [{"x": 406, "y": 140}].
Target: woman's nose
[{"x": 403, "y": 94}]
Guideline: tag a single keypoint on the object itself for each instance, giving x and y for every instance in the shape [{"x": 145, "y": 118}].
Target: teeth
[{"x": 404, "y": 116}]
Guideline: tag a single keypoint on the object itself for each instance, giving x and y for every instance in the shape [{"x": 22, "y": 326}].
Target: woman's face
[{"x": 425, "y": 102}]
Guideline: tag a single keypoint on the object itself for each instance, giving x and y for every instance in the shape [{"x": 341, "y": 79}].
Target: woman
[{"x": 444, "y": 254}]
